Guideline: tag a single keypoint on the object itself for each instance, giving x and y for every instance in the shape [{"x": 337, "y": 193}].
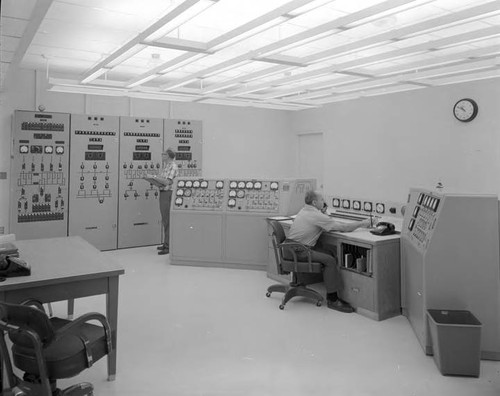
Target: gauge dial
[
  {"x": 23, "y": 149},
  {"x": 59, "y": 149},
  {"x": 180, "y": 192},
  {"x": 189, "y": 183},
  {"x": 49, "y": 149},
  {"x": 336, "y": 203},
  {"x": 180, "y": 183},
  {"x": 380, "y": 208},
  {"x": 274, "y": 185},
  {"x": 356, "y": 205},
  {"x": 178, "y": 201},
  {"x": 232, "y": 193},
  {"x": 233, "y": 184},
  {"x": 231, "y": 202},
  {"x": 368, "y": 207},
  {"x": 257, "y": 185},
  {"x": 240, "y": 193},
  {"x": 241, "y": 184},
  {"x": 249, "y": 185},
  {"x": 346, "y": 204},
  {"x": 219, "y": 184},
  {"x": 187, "y": 192},
  {"x": 196, "y": 184},
  {"x": 204, "y": 184}
]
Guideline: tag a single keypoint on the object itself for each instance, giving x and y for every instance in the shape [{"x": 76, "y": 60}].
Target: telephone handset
[
  {"x": 384, "y": 228},
  {"x": 11, "y": 266}
]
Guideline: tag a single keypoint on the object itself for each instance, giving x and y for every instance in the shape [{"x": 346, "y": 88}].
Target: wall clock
[{"x": 465, "y": 110}]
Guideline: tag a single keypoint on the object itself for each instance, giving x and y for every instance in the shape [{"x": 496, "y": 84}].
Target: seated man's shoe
[
  {"x": 164, "y": 251},
  {"x": 340, "y": 306}
]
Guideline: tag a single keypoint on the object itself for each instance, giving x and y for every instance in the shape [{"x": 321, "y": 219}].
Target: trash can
[{"x": 456, "y": 341}]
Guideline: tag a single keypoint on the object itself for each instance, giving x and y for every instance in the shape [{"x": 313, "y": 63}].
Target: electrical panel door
[
  {"x": 185, "y": 138},
  {"x": 93, "y": 192},
  {"x": 39, "y": 175},
  {"x": 139, "y": 220}
]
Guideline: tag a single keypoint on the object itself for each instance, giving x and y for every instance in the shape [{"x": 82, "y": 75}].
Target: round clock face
[{"x": 465, "y": 110}]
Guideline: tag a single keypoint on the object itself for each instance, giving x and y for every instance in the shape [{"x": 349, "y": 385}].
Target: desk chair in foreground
[
  {"x": 47, "y": 349},
  {"x": 299, "y": 269}
]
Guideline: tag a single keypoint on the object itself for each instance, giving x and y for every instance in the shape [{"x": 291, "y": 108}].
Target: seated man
[{"x": 307, "y": 227}]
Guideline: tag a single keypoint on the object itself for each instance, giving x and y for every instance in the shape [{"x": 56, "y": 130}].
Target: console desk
[
  {"x": 63, "y": 269},
  {"x": 370, "y": 270}
]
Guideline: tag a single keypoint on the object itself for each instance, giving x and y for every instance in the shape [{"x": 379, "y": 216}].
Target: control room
[{"x": 220, "y": 197}]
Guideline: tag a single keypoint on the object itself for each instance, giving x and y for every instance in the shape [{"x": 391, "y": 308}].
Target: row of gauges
[
  {"x": 219, "y": 184},
  {"x": 36, "y": 149},
  {"x": 428, "y": 202},
  {"x": 249, "y": 185},
  {"x": 356, "y": 205}
]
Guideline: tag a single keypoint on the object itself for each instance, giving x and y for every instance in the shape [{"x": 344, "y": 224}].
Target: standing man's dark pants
[{"x": 165, "y": 200}]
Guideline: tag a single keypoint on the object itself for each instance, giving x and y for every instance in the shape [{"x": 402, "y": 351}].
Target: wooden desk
[{"x": 64, "y": 269}]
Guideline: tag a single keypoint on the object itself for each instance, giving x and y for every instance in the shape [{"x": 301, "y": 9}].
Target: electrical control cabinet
[
  {"x": 93, "y": 192},
  {"x": 450, "y": 261},
  {"x": 233, "y": 215},
  {"x": 185, "y": 138},
  {"x": 39, "y": 175},
  {"x": 139, "y": 221}
]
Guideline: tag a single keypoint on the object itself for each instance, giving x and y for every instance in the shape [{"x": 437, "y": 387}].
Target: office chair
[
  {"x": 47, "y": 349},
  {"x": 285, "y": 254}
]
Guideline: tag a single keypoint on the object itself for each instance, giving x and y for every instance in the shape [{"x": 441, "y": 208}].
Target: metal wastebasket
[{"x": 456, "y": 341}]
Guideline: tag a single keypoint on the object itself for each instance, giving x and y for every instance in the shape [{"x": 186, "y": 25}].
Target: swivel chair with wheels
[
  {"x": 47, "y": 349},
  {"x": 285, "y": 254}
]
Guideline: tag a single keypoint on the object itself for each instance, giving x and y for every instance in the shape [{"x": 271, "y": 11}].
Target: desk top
[{"x": 57, "y": 260}]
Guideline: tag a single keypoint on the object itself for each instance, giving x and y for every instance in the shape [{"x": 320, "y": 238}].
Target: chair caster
[
  {"x": 318, "y": 304},
  {"x": 282, "y": 307},
  {"x": 268, "y": 294}
]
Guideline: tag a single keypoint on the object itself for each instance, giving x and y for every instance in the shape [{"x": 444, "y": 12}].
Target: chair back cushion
[
  {"x": 278, "y": 231},
  {"x": 27, "y": 318}
]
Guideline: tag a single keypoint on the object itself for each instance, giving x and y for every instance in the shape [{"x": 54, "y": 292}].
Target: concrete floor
[{"x": 190, "y": 331}]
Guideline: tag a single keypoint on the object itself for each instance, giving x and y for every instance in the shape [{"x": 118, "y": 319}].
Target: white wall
[
  {"x": 238, "y": 142},
  {"x": 379, "y": 147}
]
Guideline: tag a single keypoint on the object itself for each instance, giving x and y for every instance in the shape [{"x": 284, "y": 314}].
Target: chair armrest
[
  {"x": 74, "y": 324},
  {"x": 293, "y": 247}
]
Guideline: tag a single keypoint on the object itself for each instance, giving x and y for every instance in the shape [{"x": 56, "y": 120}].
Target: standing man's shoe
[
  {"x": 164, "y": 251},
  {"x": 340, "y": 306},
  {"x": 161, "y": 247}
]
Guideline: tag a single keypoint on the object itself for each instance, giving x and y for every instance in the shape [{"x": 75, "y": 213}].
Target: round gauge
[
  {"x": 232, "y": 193},
  {"x": 219, "y": 184},
  {"x": 257, "y": 185},
  {"x": 249, "y": 185},
  {"x": 59, "y": 149},
  {"x": 368, "y": 206},
  {"x": 204, "y": 184},
  {"x": 231, "y": 202},
  {"x": 465, "y": 110},
  {"x": 189, "y": 183},
  {"x": 380, "y": 208},
  {"x": 233, "y": 184},
  {"x": 49, "y": 149},
  {"x": 23, "y": 149},
  {"x": 274, "y": 185},
  {"x": 196, "y": 184},
  {"x": 336, "y": 203},
  {"x": 180, "y": 183},
  {"x": 356, "y": 205},
  {"x": 241, "y": 184},
  {"x": 346, "y": 204},
  {"x": 178, "y": 201},
  {"x": 240, "y": 193},
  {"x": 180, "y": 192},
  {"x": 187, "y": 192}
]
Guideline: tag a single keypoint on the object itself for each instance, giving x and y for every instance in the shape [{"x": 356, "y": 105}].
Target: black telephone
[
  {"x": 383, "y": 228},
  {"x": 11, "y": 266}
]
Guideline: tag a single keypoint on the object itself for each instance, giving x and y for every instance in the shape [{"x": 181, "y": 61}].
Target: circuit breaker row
[{"x": 94, "y": 187}]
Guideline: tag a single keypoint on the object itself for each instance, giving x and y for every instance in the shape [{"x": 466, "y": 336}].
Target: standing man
[
  {"x": 168, "y": 174},
  {"x": 306, "y": 229}
]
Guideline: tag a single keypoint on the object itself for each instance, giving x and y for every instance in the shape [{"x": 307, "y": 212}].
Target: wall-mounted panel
[{"x": 185, "y": 138}]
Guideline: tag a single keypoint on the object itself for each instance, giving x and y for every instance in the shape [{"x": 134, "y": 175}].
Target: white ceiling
[{"x": 280, "y": 54}]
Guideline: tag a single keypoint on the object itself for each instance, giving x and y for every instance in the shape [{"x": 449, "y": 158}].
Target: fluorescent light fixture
[
  {"x": 309, "y": 7},
  {"x": 142, "y": 80},
  {"x": 127, "y": 54},
  {"x": 96, "y": 74}
]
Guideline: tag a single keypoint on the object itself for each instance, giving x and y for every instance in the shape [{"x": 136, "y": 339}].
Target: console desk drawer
[{"x": 358, "y": 290}]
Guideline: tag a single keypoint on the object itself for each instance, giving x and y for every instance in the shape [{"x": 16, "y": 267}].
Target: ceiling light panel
[{"x": 456, "y": 5}]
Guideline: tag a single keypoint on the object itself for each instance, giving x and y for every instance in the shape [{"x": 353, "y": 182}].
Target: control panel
[
  {"x": 141, "y": 141},
  {"x": 93, "y": 188},
  {"x": 424, "y": 213},
  {"x": 359, "y": 209},
  {"x": 253, "y": 196},
  {"x": 185, "y": 138},
  {"x": 39, "y": 174},
  {"x": 199, "y": 194}
]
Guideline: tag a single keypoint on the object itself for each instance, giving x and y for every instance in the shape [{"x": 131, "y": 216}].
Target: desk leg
[{"x": 112, "y": 315}]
